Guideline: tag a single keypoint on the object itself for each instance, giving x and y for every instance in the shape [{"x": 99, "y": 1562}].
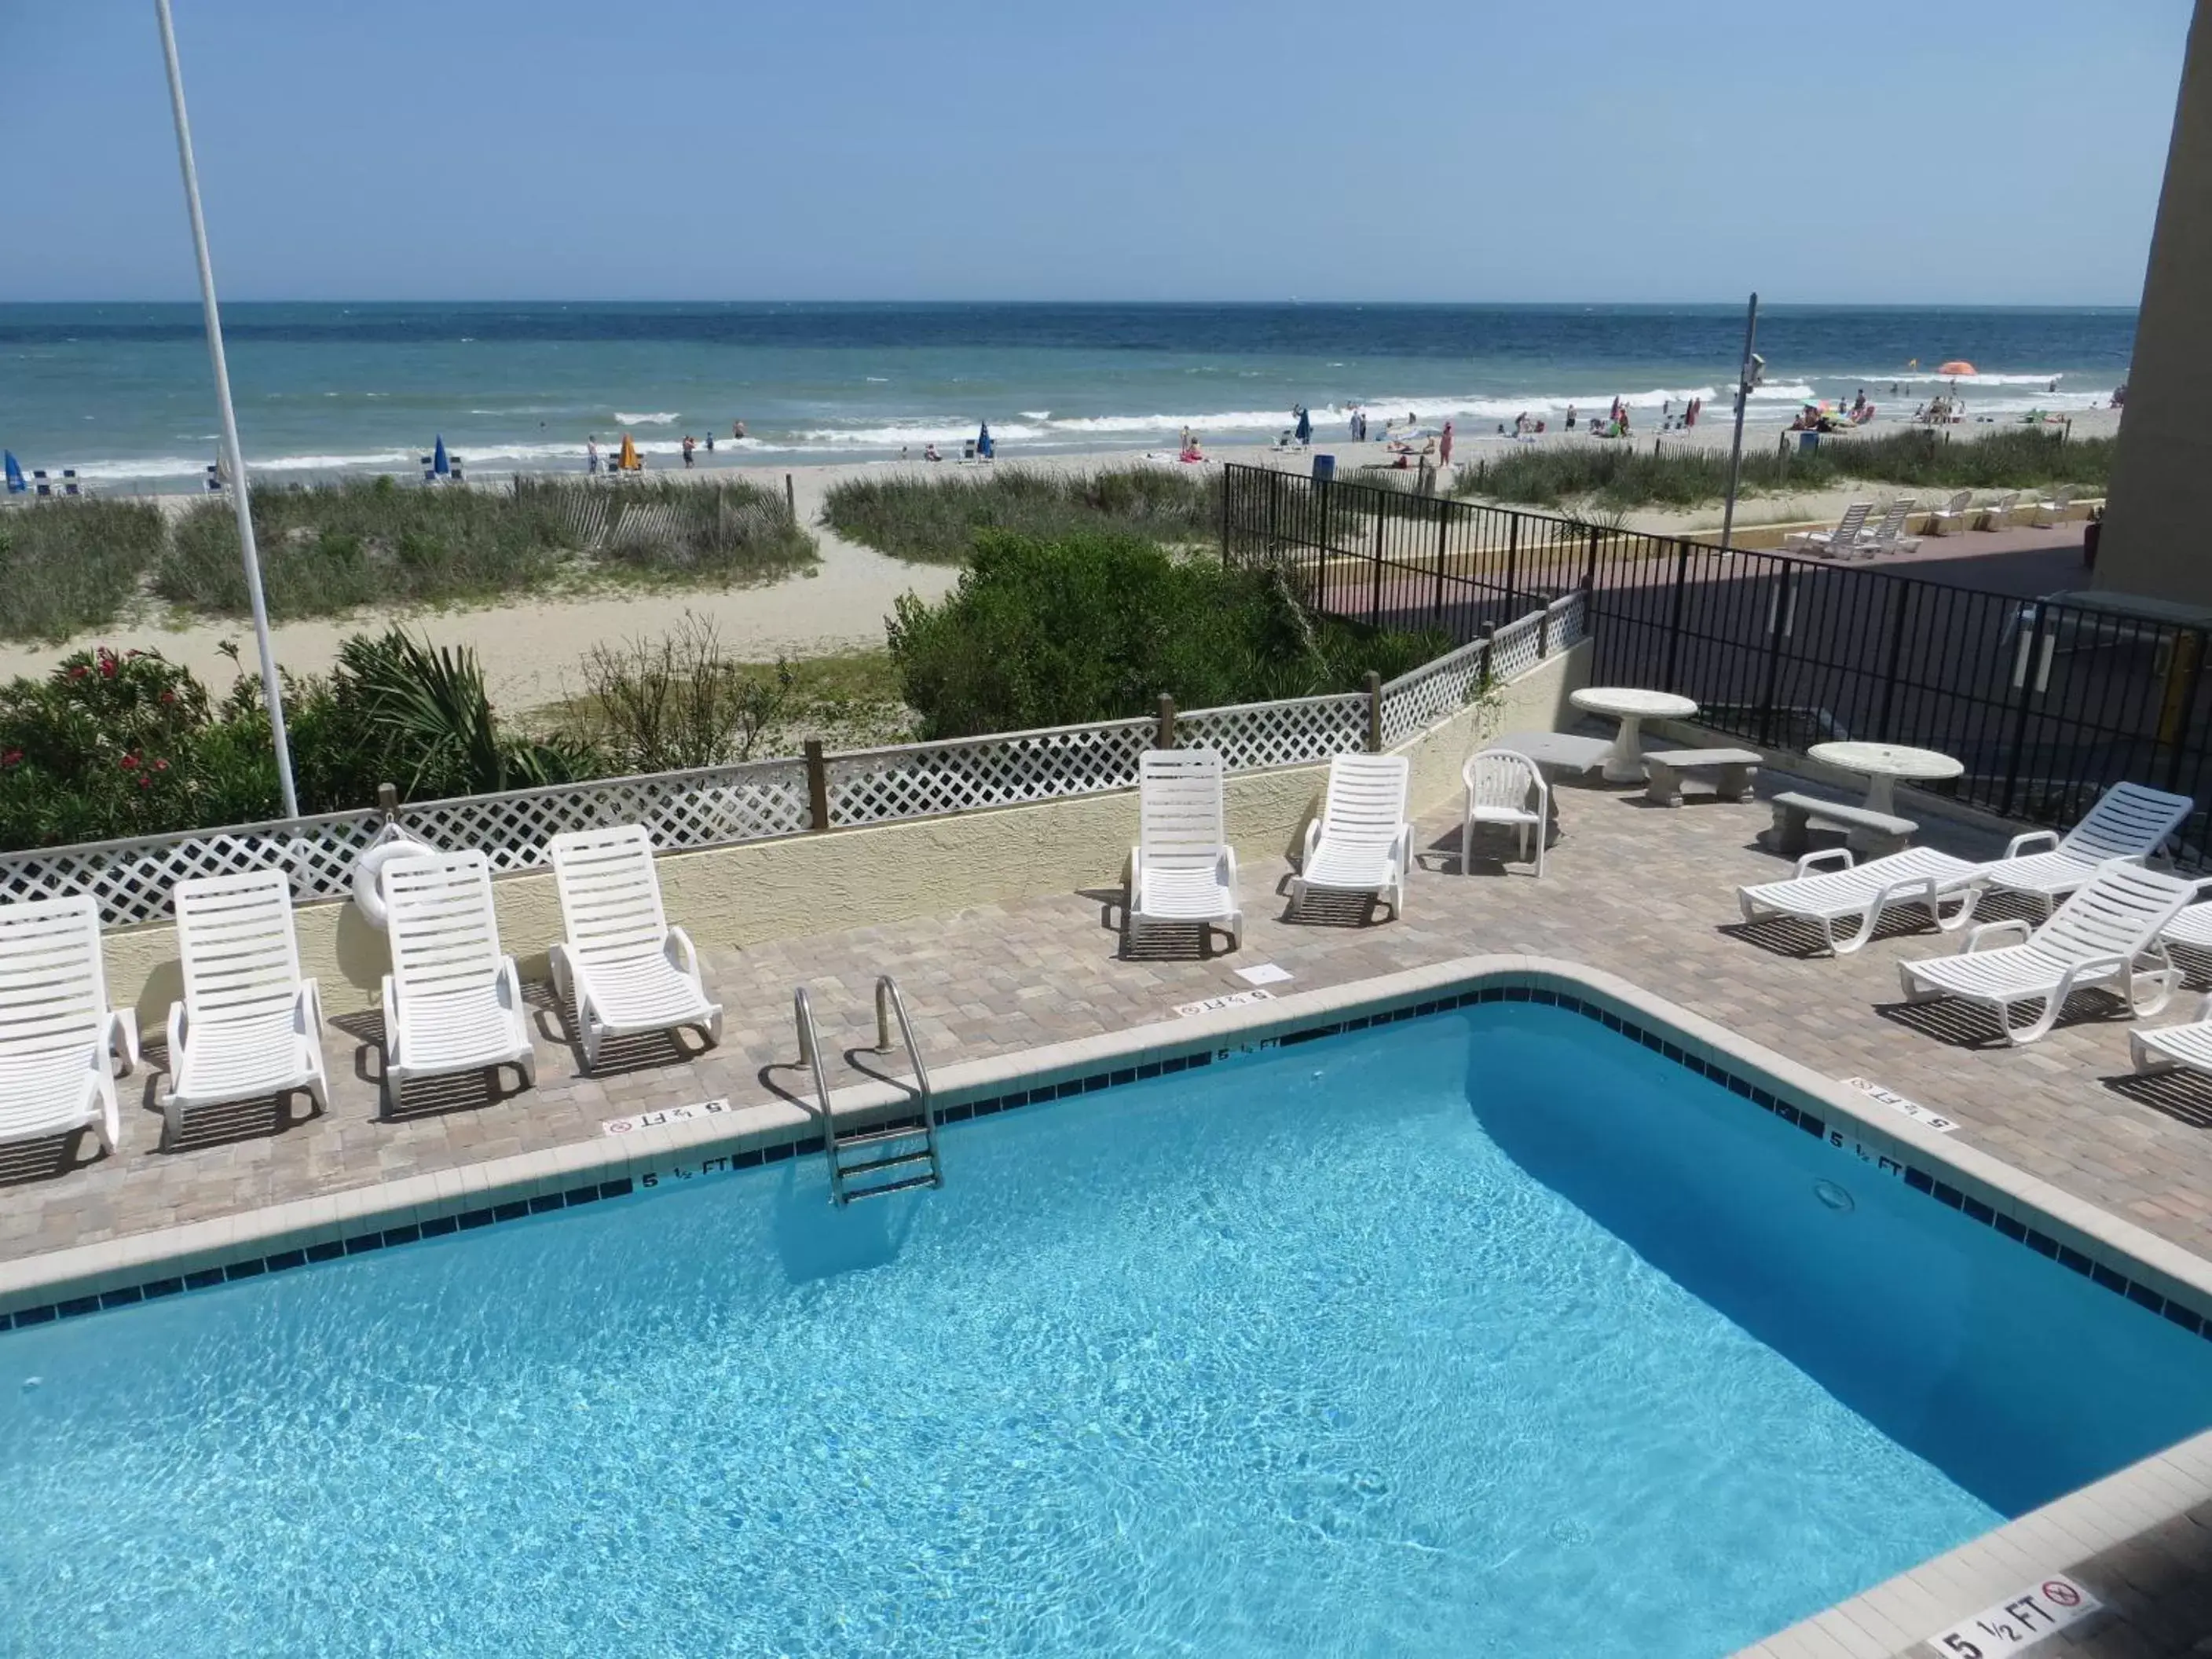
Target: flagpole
[
  {"x": 272, "y": 692},
  {"x": 1742, "y": 400}
]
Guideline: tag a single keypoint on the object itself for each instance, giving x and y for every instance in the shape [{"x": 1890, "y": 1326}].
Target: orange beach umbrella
[
  {"x": 1956, "y": 366},
  {"x": 628, "y": 460}
]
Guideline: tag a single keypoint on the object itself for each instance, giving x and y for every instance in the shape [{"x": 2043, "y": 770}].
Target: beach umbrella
[
  {"x": 628, "y": 460},
  {"x": 984, "y": 441},
  {"x": 440, "y": 467},
  {"x": 1956, "y": 366},
  {"x": 1305, "y": 425},
  {"x": 16, "y": 485}
]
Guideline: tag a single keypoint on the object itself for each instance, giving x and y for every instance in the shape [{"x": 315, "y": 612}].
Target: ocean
[{"x": 123, "y": 392}]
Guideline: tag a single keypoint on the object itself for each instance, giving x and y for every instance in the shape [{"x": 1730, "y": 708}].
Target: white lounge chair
[
  {"x": 1919, "y": 876},
  {"x": 623, "y": 969},
  {"x": 1183, "y": 870},
  {"x": 57, "y": 1030},
  {"x": 2106, "y": 934},
  {"x": 1889, "y": 535},
  {"x": 2175, "y": 1047},
  {"x": 1951, "y": 519},
  {"x": 1998, "y": 514},
  {"x": 1504, "y": 787},
  {"x": 249, "y": 1025},
  {"x": 2129, "y": 821},
  {"x": 1362, "y": 842},
  {"x": 452, "y": 1001},
  {"x": 1828, "y": 543},
  {"x": 2051, "y": 508}
]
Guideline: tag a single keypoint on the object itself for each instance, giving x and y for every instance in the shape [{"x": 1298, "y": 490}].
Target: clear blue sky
[{"x": 2003, "y": 151}]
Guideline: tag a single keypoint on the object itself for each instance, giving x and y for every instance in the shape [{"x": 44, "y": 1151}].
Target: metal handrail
[
  {"x": 888, "y": 1001},
  {"x": 809, "y": 1054}
]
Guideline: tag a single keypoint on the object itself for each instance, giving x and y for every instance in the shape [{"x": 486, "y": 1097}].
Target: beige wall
[
  {"x": 803, "y": 885},
  {"x": 2154, "y": 539}
]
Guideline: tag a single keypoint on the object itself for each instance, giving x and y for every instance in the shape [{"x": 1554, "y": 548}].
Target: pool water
[{"x": 1490, "y": 1333}]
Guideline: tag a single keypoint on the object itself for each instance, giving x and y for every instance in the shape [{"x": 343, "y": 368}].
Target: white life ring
[{"x": 367, "y": 891}]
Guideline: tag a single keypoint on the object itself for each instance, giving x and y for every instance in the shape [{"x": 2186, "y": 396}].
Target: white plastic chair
[
  {"x": 1889, "y": 535},
  {"x": 1919, "y": 875},
  {"x": 623, "y": 969},
  {"x": 2175, "y": 1047},
  {"x": 2129, "y": 821},
  {"x": 1950, "y": 518},
  {"x": 1500, "y": 787},
  {"x": 1998, "y": 514},
  {"x": 452, "y": 1001},
  {"x": 1182, "y": 869},
  {"x": 1362, "y": 842},
  {"x": 57, "y": 1030},
  {"x": 1827, "y": 543},
  {"x": 249, "y": 1025},
  {"x": 2106, "y": 934},
  {"x": 2051, "y": 508}
]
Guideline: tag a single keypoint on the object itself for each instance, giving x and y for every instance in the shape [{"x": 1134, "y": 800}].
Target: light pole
[
  {"x": 271, "y": 692},
  {"x": 1751, "y": 372}
]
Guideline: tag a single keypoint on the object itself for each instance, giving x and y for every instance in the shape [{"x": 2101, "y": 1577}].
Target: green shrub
[
  {"x": 934, "y": 518},
  {"x": 1622, "y": 475},
  {"x": 66, "y": 566},
  {"x": 1094, "y": 627},
  {"x": 108, "y": 746}
]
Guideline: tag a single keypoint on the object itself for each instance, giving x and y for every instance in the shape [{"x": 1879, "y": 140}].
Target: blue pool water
[{"x": 1491, "y": 1333}]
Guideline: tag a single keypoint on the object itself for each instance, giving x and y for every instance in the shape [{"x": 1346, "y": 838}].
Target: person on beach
[
  {"x": 592, "y": 455},
  {"x": 929, "y": 452},
  {"x": 1444, "y": 450},
  {"x": 1571, "y": 417},
  {"x": 691, "y": 443}
]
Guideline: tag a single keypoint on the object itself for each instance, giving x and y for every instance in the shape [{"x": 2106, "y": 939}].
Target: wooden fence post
[
  {"x": 1374, "y": 713},
  {"x": 818, "y": 787},
  {"x": 1163, "y": 735}
]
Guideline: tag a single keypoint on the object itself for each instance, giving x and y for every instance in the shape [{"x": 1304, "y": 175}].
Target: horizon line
[{"x": 1279, "y": 301}]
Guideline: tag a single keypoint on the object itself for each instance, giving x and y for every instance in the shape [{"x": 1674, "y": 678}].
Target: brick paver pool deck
[{"x": 1644, "y": 892}]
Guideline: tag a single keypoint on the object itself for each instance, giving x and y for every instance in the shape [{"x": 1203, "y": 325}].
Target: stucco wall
[
  {"x": 2161, "y": 500},
  {"x": 802, "y": 885}
]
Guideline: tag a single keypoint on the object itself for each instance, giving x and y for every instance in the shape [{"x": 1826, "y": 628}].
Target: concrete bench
[
  {"x": 1663, "y": 770},
  {"x": 1873, "y": 834}
]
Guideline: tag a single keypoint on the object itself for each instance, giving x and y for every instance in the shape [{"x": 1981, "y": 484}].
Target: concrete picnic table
[
  {"x": 1884, "y": 763},
  {"x": 1632, "y": 708}
]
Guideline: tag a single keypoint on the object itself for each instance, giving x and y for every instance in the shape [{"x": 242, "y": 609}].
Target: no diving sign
[{"x": 2019, "y": 1621}]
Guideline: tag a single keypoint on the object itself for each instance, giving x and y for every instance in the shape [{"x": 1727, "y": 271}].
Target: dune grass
[
  {"x": 1623, "y": 475},
  {"x": 336, "y": 547},
  {"x": 933, "y": 519},
  {"x": 67, "y": 566}
]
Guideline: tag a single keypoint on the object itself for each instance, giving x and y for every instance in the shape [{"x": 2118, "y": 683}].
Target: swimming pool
[{"x": 1491, "y": 1331}]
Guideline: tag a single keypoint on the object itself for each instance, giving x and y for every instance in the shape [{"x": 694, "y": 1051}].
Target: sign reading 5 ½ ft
[{"x": 2020, "y": 1619}]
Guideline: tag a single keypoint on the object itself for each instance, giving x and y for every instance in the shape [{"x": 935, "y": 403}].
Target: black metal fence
[{"x": 2046, "y": 704}]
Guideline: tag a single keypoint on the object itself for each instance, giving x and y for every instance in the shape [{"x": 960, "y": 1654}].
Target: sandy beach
[{"x": 531, "y": 648}]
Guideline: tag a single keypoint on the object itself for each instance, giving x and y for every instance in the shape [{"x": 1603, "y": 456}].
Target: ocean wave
[{"x": 663, "y": 418}]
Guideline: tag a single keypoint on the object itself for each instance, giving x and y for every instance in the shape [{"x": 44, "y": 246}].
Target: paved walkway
[{"x": 1644, "y": 891}]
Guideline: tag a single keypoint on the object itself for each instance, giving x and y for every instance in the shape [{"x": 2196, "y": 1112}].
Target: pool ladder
[{"x": 907, "y": 1149}]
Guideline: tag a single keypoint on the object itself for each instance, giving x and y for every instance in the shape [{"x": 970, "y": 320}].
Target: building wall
[
  {"x": 2154, "y": 542},
  {"x": 802, "y": 885}
]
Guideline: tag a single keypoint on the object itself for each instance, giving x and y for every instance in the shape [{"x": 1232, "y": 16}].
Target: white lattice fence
[
  {"x": 132, "y": 878},
  {"x": 1252, "y": 735},
  {"x": 681, "y": 808},
  {"x": 915, "y": 780},
  {"x": 1434, "y": 691}
]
